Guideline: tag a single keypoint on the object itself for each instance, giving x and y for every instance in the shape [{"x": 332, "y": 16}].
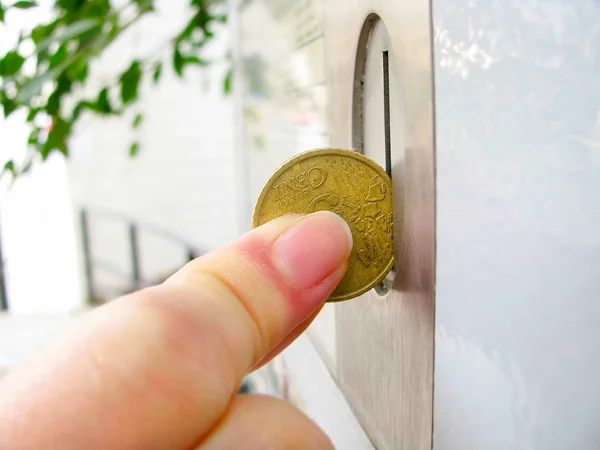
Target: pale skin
[{"x": 160, "y": 368}]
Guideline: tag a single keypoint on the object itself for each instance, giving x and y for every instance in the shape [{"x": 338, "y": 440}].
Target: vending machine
[{"x": 486, "y": 114}]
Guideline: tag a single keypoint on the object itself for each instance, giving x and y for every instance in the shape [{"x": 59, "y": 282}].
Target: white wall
[
  {"x": 36, "y": 224},
  {"x": 183, "y": 179}
]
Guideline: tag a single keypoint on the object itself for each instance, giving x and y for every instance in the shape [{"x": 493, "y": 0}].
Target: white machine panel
[{"x": 518, "y": 225}]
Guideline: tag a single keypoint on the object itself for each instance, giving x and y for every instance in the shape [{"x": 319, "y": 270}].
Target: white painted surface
[
  {"x": 39, "y": 246},
  {"x": 36, "y": 222},
  {"x": 518, "y": 235}
]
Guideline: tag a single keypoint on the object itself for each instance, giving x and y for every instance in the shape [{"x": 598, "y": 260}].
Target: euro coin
[{"x": 350, "y": 185}]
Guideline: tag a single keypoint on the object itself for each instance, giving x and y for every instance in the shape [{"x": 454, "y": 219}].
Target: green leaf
[
  {"x": 21, "y": 38},
  {"x": 130, "y": 81},
  {"x": 145, "y": 5},
  {"x": 1, "y": 13},
  {"x": 26, "y": 167},
  {"x": 73, "y": 30},
  {"x": 32, "y": 114},
  {"x": 195, "y": 60},
  {"x": 33, "y": 137},
  {"x": 227, "y": 81},
  {"x": 78, "y": 72},
  {"x": 8, "y": 104},
  {"x": 137, "y": 120},
  {"x": 85, "y": 104},
  {"x": 53, "y": 104},
  {"x": 58, "y": 57},
  {"x": 42, "y": 31},
  {"x": 178, "y": 62},
  {"x": 134, "y": 149},
  {"x": 11, "y": 64},
  {"x": 103, "y": 102},
  {"x": 78, "y": 110},
  {"x": 38, "y": 33},
  {"x": 101, "y": 105},
  {"x": 10, "y": 167},
  {"x": 157, "y": 72},
  {"x": 34, "y": 86},
  {"x": 57, "y": 138},
  {"x": 24, "y": 4},
  {"x": 188, "y": 30},
  {"x": 63, "y": 86}
]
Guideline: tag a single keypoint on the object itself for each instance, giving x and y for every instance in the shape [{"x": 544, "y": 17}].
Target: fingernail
[{"x": 312, "y": 248}]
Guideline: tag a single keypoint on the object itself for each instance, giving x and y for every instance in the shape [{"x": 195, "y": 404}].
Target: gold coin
[{"x": 350, "y": 185}]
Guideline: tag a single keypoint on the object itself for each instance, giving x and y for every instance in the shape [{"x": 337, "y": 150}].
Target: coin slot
[
  {"x": 386, "y": 285},
  {"x": 386, "y": 113},
  {"x": 374, "y": 89}
]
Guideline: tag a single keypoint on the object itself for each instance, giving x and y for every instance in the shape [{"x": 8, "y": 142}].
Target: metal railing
[{"x": 135, "y": 277}]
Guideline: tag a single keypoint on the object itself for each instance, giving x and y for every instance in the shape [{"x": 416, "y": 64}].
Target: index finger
[{"x": 156, "y": 369}]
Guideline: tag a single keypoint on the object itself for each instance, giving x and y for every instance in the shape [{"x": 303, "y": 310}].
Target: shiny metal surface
[
  {"x": 518, "y": 224},
  {"x": 385, "y": 344}
]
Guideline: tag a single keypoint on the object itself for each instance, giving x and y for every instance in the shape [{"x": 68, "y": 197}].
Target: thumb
[{"x": 158, "y": 368}]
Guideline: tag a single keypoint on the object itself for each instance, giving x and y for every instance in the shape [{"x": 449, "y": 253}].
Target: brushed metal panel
[{"x": 385, "y": 344}]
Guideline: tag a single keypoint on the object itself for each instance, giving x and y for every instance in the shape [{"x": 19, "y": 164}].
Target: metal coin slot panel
[{"x": 381, "y": 104}]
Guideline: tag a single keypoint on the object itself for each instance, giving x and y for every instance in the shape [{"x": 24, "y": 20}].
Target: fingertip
[{"x": 312, "y": 248}]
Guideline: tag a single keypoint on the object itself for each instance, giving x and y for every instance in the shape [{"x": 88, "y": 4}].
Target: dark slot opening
[{"x": 386, "y": 114}]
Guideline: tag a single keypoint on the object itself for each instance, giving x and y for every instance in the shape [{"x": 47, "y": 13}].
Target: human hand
[{"x": 159, "y": 368}]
